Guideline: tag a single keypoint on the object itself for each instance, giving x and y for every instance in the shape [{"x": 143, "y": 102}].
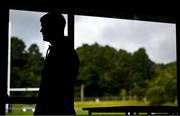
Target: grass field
[
  {"x": 80, "y": 105},
  {"x": 17, "y": 108}
]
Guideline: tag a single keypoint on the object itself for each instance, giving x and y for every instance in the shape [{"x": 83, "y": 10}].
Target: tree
[
  {"x": 163, "y": 87},
  {"x": 105, "y": 71},
  {"x": 26, "y": 65},
  {"x": 34, "y": 59},
  {"x": 95, "y": 63},
  {"x": 17, "y": 52},
  {"x": 18, "y": 61},
  {"x": 141, "y": 71},
  {"x": 34, "y": 65},
  {"x": 156, "y": 95}
]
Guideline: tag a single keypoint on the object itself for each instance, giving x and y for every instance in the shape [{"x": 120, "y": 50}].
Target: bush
[{"x": 156, "y": 95}]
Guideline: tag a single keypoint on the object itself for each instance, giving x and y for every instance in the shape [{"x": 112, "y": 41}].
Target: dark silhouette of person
[{"x": 61, "y": 67}]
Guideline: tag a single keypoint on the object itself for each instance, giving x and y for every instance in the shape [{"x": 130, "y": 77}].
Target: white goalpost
[
  {"x": 9, "y": 89},
  {"x": 23, "y": 89}
]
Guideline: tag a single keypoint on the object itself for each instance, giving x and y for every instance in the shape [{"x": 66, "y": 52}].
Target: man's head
[{"x": 53, "y": 24}]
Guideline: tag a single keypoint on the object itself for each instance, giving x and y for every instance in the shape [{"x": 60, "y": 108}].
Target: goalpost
[{"x": 9, "y": 89}]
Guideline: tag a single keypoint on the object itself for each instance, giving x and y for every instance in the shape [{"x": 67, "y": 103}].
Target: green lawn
[
  {"x": 17, "y": 108},
  {"x": 85, "y": 104}
]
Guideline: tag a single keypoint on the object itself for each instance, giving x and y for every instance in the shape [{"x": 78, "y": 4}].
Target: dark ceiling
[{"x": 151, "y": 12}]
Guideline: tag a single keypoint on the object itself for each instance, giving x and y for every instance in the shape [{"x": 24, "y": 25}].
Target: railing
[
  {"x": 24, "y": 89},
  {"x": 22, "y": 100}
]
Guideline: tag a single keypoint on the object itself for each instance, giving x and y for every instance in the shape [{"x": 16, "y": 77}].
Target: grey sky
[{"x": 159, "y": 39}]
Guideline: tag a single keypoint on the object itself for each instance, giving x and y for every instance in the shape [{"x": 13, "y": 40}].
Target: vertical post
[
  {"x": 82, "y": 92},
  {"x": 4, "y": 58},
  {"x": 9, "y": 66},
  {"x": 9, "y": 60},
  {"x": 71, "y": 27},
  {"x": 178, "y": 60}
]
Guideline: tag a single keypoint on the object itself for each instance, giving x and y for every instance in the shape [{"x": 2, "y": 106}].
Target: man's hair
[{"x": 54, "y": 19}]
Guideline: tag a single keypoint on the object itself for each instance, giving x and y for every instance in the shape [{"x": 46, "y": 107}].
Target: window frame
[{"x": 4, "y": 99}]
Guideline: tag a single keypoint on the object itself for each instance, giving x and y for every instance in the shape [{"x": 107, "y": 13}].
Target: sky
[{"x": 159, "y": 39}]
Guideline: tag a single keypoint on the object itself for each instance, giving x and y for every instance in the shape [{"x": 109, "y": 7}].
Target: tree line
[{"x": 104, "y": 71}]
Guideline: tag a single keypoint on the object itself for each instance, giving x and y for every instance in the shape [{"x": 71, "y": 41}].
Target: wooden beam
[
  {"x": 22, "y": 100},
  {"x": 71, "y": 28},
  {"x": 3, "y": 58}
]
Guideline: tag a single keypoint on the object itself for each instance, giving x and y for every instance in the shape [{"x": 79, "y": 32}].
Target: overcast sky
[{"x": 159, "y": 39}]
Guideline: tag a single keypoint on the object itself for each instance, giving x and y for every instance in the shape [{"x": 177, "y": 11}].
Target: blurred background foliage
[{"x": 104, "y": 72}]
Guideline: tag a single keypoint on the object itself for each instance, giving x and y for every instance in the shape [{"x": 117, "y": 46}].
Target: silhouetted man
[{"x": 61, "y": 66}]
